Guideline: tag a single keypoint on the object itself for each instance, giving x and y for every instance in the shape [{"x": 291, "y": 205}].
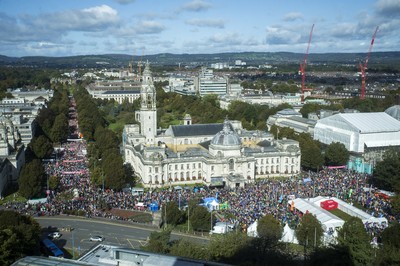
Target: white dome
[{"x": 226, "y": 137}]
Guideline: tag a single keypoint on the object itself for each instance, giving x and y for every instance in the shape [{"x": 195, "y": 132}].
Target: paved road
[{"x": 119, "y": 234}]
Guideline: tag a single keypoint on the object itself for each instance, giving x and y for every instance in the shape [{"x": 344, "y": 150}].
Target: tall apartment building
[{"x": 207, "y": 83}]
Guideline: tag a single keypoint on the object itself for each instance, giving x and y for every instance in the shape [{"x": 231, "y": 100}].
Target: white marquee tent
[
  {"x": 327, "y": 219},
  {"x": 356, "y": 130}
]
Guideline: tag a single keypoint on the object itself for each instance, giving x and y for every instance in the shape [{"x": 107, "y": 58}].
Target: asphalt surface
[{"x": 115, "y": 233}]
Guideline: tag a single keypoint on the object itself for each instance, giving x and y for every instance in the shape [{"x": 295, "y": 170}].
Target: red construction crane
[
  {"x": 363, "y": 68},
  {"x": 302, "y": 70}
]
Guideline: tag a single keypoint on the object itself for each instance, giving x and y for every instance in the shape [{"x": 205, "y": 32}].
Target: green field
[{"x": 342, "y": 215}]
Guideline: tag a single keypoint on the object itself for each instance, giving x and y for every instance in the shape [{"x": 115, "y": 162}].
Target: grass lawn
[{"x": 342, "y": 215}]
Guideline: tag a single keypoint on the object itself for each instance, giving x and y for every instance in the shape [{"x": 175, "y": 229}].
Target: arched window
[{"x": 231, "y": 165}]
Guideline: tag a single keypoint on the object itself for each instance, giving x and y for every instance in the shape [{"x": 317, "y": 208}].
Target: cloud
[
  {"x": 213, "y": 23},
  {"x": 280, "y": 35},
  {"x": 390, "y": 8},
  {"x": 89, "y": 19},
  {"x": 196, "y": 6},
  {"x": 293, "y": 16},
  {"x": 149, "y": 27}
]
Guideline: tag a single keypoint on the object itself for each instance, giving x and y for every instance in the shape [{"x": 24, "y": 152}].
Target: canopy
[
  {"x": 329, "y": 205},
  {"x": 327, "y": 219}
]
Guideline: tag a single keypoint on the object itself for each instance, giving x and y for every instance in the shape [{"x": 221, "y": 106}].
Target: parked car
[
  {"x": 54, "y": 235},
  {"x": 96, "y": 238}
]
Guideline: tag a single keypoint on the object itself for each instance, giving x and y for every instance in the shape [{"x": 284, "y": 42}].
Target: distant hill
[{"x": 167, "y": 59}]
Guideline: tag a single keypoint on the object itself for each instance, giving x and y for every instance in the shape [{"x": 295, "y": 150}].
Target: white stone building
[{"x": 213, "y": 154}]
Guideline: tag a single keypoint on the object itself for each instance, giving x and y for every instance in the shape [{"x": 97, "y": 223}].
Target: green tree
[
  {"x": 31, "y": 179},
  {"x": 336, "y": 154},
  {"x": 113, "y": 170},
  {"x": 309, "y": 108},
  {"x": 59, "y": 131},
  {"x": 309, "y": 232},
  {"x": 159, "y": 242},
  {"x": 387, "y": 171},
  {"x": 171, "y": 213},
  {"x": 269, "y": 230},
  {"x": 331, "y": 256},
  {"x": 19, "y": 236},
  {"x": 41, "y": 146},
  {"x": 188, "y": 249},
  {"x": 199, "y": 218},
  {"x": 53, "y": 182},
  {"x": 389, "y": 254},
  {"x": 228, "y": 248},
  {"x": 354, "y": 236},
  {"x": 311, "y": 157}
]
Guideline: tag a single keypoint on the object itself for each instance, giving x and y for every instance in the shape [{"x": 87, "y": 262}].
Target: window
[
  {"x": 156, "y": 169},
  {"x": 231, "y": 165},
  {"x": 187, "y": 166},
  {"x": 181, "y": 166},
  {"x": 176, "y": 167},
  {"x": 212, "y": 168}
]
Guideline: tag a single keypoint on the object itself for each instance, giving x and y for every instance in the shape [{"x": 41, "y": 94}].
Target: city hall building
[{"x": 213, "y": 154}]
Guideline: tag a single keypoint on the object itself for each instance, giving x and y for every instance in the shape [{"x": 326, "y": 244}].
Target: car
[
  {"x": 54, "y": 235},
  {"x": 96, "y": 238}
]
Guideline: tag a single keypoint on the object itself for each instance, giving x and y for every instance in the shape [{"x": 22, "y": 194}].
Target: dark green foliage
[
  {"x": 331, "y": 256},
  {"x": 31, "y": 179},
  {"x": 311, "y": 157},
  {"x": 269, "y": 229},
  {"x": 387, "y": 171},
  {"x": 41, "y": 146},
  {"x": 225, "y": 248},
  {"x": 309, "y": 232},
  {"x": 59, "y": 131},
  {"x": 113, "y": 170},
  {"x": 388, "y": 253},
  {"x": 336, "y": 154},
  {"x": 200, "y": 218},
  {"x": 353, "y": 236},
  {"x": 19, "y": 236},
  {"x": 185, "y": 248},
  {"x": 158, "y": 242},
  {"x": 172, "y": 214}
]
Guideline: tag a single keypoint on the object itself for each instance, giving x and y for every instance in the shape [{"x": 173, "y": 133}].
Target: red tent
[{"x": 329, "y": 205}]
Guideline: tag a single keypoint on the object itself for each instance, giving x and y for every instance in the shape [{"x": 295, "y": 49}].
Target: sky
[{"x": 143, "y": 27}]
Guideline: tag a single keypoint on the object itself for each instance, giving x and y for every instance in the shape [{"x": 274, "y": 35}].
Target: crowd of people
[{"x": 247, "y": 204}]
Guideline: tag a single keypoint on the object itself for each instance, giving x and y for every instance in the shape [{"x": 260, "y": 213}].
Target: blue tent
[{"x": 154, "y": 207}]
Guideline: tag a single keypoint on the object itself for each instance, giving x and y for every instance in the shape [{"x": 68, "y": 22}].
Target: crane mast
[
  {"x": 363, "y": 68},
  {"x": 303, "y": 66}
]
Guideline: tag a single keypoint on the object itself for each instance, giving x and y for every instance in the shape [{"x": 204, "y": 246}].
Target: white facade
[
  {"x": 358, "y": 131},
  {"x": 206, "y": 83},
  {"x": 202, "y": 153}
]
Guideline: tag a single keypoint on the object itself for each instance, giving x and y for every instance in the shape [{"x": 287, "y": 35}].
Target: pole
[
  {"x": 315, "y": 237},
  {"x": 188, "y": 218},
  {"x": 165, "y": 211},
  {"x": 211, "y": 223},
  {"x": 73, "y": 245}
]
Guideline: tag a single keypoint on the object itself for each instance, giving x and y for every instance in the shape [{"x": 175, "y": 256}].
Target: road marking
[{"x": 130, "y": 243}]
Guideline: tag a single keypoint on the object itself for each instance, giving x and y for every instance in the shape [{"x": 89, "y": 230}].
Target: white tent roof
[
  {"x": 326, "y": 218},
  {"x": 252, "y": 229},
  {"x": 363, "y": 122},
  {"x": 288, "y": 235},
  {"x": 353, "y": 211}
]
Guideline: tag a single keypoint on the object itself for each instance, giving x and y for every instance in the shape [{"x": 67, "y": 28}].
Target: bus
[{"x": 50, "y": 249}]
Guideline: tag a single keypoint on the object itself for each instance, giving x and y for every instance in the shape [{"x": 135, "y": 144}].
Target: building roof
[
  {"x": 196, "y": 130},
  {"x": 123, "y": 92},
  {"x": 226, "y": 137},
  {"x": 394, "y": 111},
  {"x": 364, "y": 122}
]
